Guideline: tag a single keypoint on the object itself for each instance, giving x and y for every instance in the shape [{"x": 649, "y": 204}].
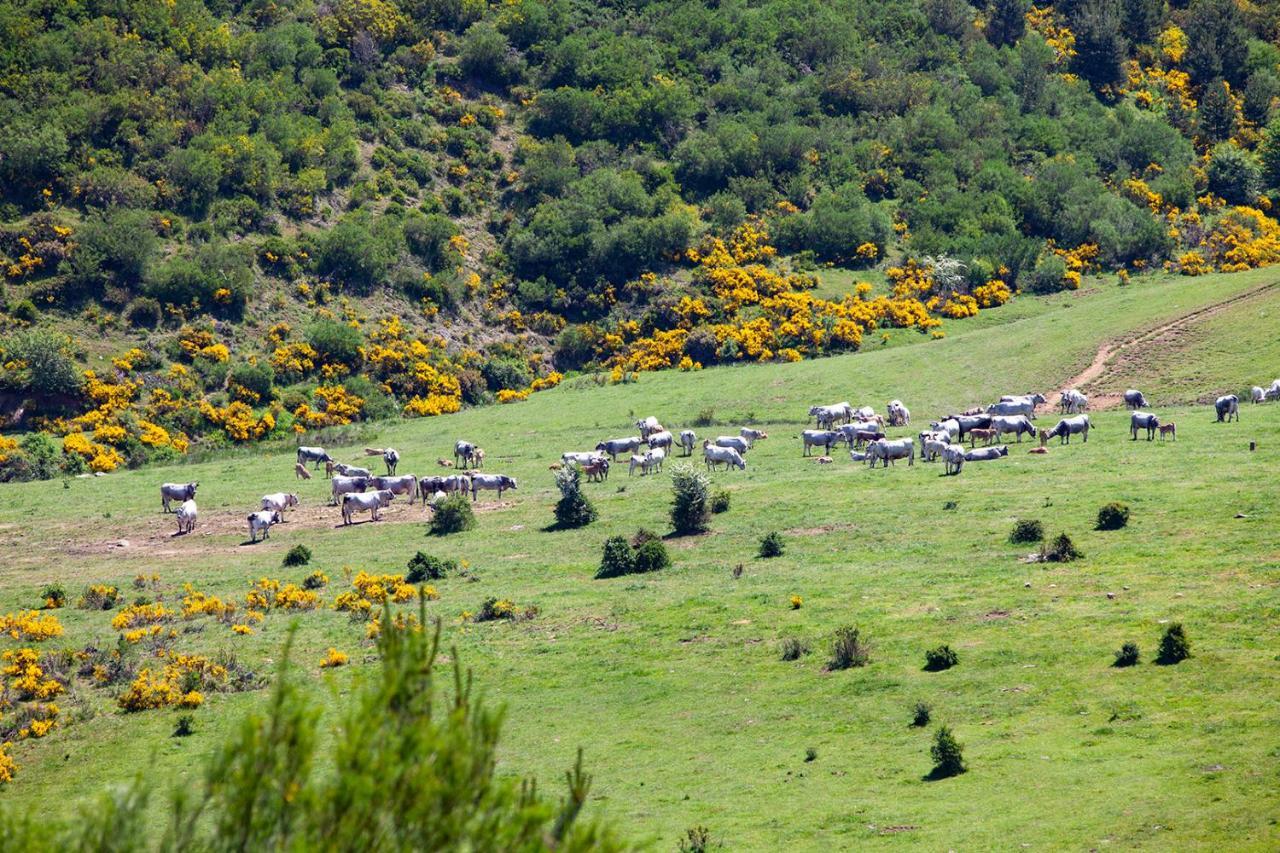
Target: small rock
[
  {"x": 1053, "y": 586},
  {"x": 1111, "y": 595},
  {"x": 1027, "y": 585},
  {"x": 1163, "y": 622},
  {"x": 122, "y": 543},
  {"x": 1177, "y": 595},
  {"x": 1125, "y": 588}
]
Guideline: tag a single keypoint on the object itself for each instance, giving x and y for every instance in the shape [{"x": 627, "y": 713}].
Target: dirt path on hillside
[{"x": 1093, "y": 379}]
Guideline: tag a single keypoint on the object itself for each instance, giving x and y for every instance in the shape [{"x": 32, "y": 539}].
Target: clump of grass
[
  {"x": 810, "y": 754},
  {"x": 452, "y": 515},
  {"x": 185, "y": 727},
  {"x": 1174, "y": 645},
  {"x": 849, "y": 649},
  {"x": 947, "y": 754},
  {"x": 720, "y": 502},
  {"x": 793, "y": 649},
  {"x": 697, "y": 839},
  {"x": 1113, "y": 516},
  {"x": 298, "y": 555},
  {"x": 772, "y": 545},
  {"x": 1060, "y": 550},
  {"x": 1027, "y": 530},
  {"x": 921, "y": 714},
  {"x": 943, "y": 657},
  {"x": 1127, "y": 656},
  {"x": 705, "y": 418}
]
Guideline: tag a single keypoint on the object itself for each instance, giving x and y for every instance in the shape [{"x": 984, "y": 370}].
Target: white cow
[
  {"x": 1257, "y": 394},
  {"x": 1012, "y": 408},
  {"x": 648, "y": 426},
  {"x": 1016, "y": 424},
  {"x": 176, "y": 492},
  {"x": 1143, "y": 420},
  {"x": 614, "y": 446},
  {"x": 464, "y": 452},
  {"x": 260, "y": 522},
  {"x": 737, "y": 442},
  {"x": 950, "y": 426},
  {"x": 638, "y": 461},
  {"x": 187, "y": 517},
  {"x": 279, "y": 501},
  {"x": 715, "y": 455},
  {"x": 391, "y": 458},
  {"x": 1072, "y": 402},
  {"x": 369, "y": 502},
  {"x": 346, "y": 486},
  {"x": 656, "y": 457},
  {"x": 661, "y": 438},
  {"x": 884, "y": 449},
  {"x": 1134, "y": 399},
  {"x": 351, "y": 470},
  {"x": 403, "y": 484},
  {"x": 752, "y": 435},
  {"x": 932, "y": 448},
  {"x": 823, "y": 438},
  {"x": 581, "y": 459},
  {"x": 1067, "y": 427},
  {"x": 899, "y": 415},
  {"x": 1227, "y": 407},
  {"x": 314, "y": 455},
  {"x": 687, "y": 439},
  {"x": 953, "y": 458},
  {"x": 491, "y": 482}
]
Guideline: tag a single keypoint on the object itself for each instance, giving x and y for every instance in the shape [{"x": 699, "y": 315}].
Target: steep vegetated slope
[{"x": 248, "y": 219}]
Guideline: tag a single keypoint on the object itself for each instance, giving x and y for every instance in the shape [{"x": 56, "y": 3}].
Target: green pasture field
[{"x": 673, "y": 683}]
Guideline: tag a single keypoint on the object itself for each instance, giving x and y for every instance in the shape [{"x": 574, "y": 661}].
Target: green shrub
[
  {"x": 574, "y": 509},
  {"x": 943, "y": 657},
  {"x": 921, "y": 714},
  {"x": 251, "y": 383},
  {"x": 53, "y": 596},
  {"x": 1127, "y": 656},
  {"x": 697, "y": 839},
  {"x": 1174, "y": 645},
  {"x": 298, "y": 555},
  {"x": 424, "y": 567},
  {"x": 810, "y": 755},
  {"x": 49, "y": 370},
  {"x": 506, "y": 374},
  {"x": 1048, "y": 275},
  {"x": 1060, "y": 550},
  {"x": 772, "y": 545},
  {"x": 849, "y": 649},
  {"x": 335, "y": 342},
  {"x": 651, "y": 556},
  {"x": 185, "y": 726},
  {"x": 793, "y": 649},
  {"x": 947, "y": 754},
  {"x": 452, "y": 515},
  {"x": 720, "y": 502},
  {"x": 1027, "y": 530},
  {"x": 24, "y": 310},
  {"x": 689, "y": 504},
  {"x": 99, "y": 597},
  {"x": 315, "y": 580},
  {"x": 1113, "y": 516},
  {"x": 618, "y": 558}
]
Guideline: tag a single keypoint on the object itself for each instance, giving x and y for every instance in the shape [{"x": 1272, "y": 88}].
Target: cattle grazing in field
[
  {"x": 1067, "y": 427},
  {"x": 950, "y": 426},
  {"x": 888, "y": 451},
  {"x": 656, "y": 457},
  {"x": 446, "y": 485},
  {"x": 279, "y": 502},
  {"x": 391, "y": 458},
  {"x": 187, "y": 517},
  {"x": 1134, "y": 399},
  {"x": 687, "y": 439},
  {"x": 464, "y": 453},
  {"x": 1035, "y": 399},
  {"x": 965, "y": 423},
  {"x": 899, "y": 415},
  {"x": 714, "y": 455},
  {"x": 953, "y": 459},
  {"x": 985, "y": 454},
  {"x": 370, "y": 502},
  {"x": 828, "y": 416},
  {"x": 491, "y": 482},
  {"x": 260, "y": 522},
  {"x": 986, "y": 436},
  {"x": 752, "y": 435},
  {"x": 614, "y": 446},
  {"x": 931, "y": 448},
  {"x": 648, "y": 426},
  {"x": 647, "y": 462},
  {"x": 1169, "y": 429},
  {"x": 1257, "y": 394},
  {"x": 1072, "y": 402},
  {"x": 737, "y": 442},
  {"x": 347, "y": 485},
  {"x": 1016, "y": 424},
  {"x": 429, "y": 486},
  {"x": 404, "y": 484},
  {"x": 662, "y": 439},
  {"x": 1227, "y": 407},
  {"x": 597, "y": 471},
  {"x": 300, "y": 471},
  {"x": 581, "y": 458},
  {"x": 346, "y": 470},
  {"x": 1143, "y": 420},
  {"x": 823, "y": 438},
  {"x": 314, "y": 455},
  {"x": 1010, "y": 406},
  {"x": 176, "y": 492}
]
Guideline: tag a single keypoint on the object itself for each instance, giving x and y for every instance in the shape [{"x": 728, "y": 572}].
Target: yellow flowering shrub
[
  {"x": 141, "y": 615},
  {"x": 507, "y": 395},
  {"x": 1048, "y": 23},
  {"x": 334, "y": 658},
  {"x": 26, "y": 677},
  {"x": 8, "y": 767},
  {"x": 1242, "y": 238},
  {"x": 30, "y": 625},
  {"x": 991, "y": 294},
  {"x": 293, "y": 597}
]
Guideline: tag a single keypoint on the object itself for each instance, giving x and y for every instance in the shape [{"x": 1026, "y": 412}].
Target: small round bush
[
  {"x": 947, "y": 754},
  {"x": 651, "y": 556},
  {"x": 1113, "y": 516},
  {"x": 943, "y": 657},
  {"x": 1174, "y": 645},
  {"x": 573, "y": 509},
  {"x": 921, "y": 715},
  {"x": 793, "y": 649},
  {"x": 315, "y": 580},
  {"x": 424, "y": 567},
  {"x": 689, "y": 488},
  {"x": 453, "y": 515},
  {"x": 54, "y": 596},
  {"x": 1127, "y": 656},
  {"x": 298, "y": 555},
  {"x": 618, "y": 558},
  {"x": 1027, "y": 530},
  {"x": 24, "y": 310},
  {"x": 1060, "y": 550},
  {"x": 772, "y": 545},
  {"x": 720, "y": 502},
  {"x": 143, "y": 313},
  {"x": 849, "y": 649}
]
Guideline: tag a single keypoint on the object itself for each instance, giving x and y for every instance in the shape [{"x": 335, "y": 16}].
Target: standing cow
[
  {"x": 314, "y": 455},
  {"x": 180, "y": 492},
  {"x": 1143, "y": 420},
  {"x": 614, "y": 446},
  {"x": 404, "y": 484},
  {"x": 687, "y": 439},
  {"x": 391, "y": 458},
  {"x": 464, "y": 452},
  {"x": 1227, "y": 407},
  {"x": 260, "y": 522},
  {"x": 1134, "y": 399},
  {"x": 1067, "y": 427},
  {"x": 491, "y": 482},
  {"x": 186, "y": 517}
]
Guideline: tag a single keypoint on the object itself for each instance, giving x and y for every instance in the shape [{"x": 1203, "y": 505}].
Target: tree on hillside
[
  {"x": 1101, "y": 50},
  {"x": 1217, "y": 42},
  {"x": 1216, "y": 117},
  {"x": 1233, "y": 174},
  {"x": 1140, "y": 19},
  {"x": 1007, "y": 21}
]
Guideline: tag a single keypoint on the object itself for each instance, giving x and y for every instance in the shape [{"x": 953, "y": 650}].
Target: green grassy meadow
[{"x": 673, "y": 683}]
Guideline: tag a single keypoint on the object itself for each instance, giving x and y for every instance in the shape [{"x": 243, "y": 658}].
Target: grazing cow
[
  {"x": 581, "y": 458},
  {"x": 464, "y": 452},
  {"x": 597, "y": 471},
  {"x": 491, "y": 482},
  {"x": 753, "y": 435},
  {"x": 656, "y": 457},
  {"x": 899, "y": 415},
  {"x": 279, "y": 501},
  {"x": 1033, "y": 398},
  {"x": 351, "y": 470},
  {"x": 1133, "y": 399},
  {"x": 648, "y": 426},
  {"x": 300, "y": 471},
  {"x": 931, "y": 448},
  {"x": 1067, "y": 427},
  {"x": 260, "y": 522},
  {"x": 687, "y": 438},
  {"x": 1012, "y": 408},
  {"x": 429, "y": 486},
  {"x": 614, "y": 446},
  {"x": 187, "y": 517},
  {"x": 1227, "y": 407},
  {"x": 985, "y": 454},
  {"x": 405, "y": 484},
  {"x": 1016, "y": 424},
  {"x": 986, "y": 435},
  {"x": 1072, "y": 402},
  {"x": 737, "y": 442},
  {"x": 953, "y": 459},
  {"x": 823, "y": 438},
  {"x": 176, "y": 492},
  {"x": 457, "y": 484},
  {"x": 638, "y": 461},
  {"x": 827, "y": 416},
  {"x": 1143, "y": 420},
  {"x": 314, "y": 455},
  {"x": 964, "y": 423},
  {"x": 950, "y": 426},
  {"x": 662, "y": 438},
  {"x": 1257, "y": 394},
  {"x": 391, "y": 458},
  {"x": 347, "y": 486},
  {"x": 934, "y": 435},
  {"x": 714, "y": 455},
  {"x": 1169, "y": 429},
  {"x": 369, "y": 502},
  {"x": 858, "y": 434},
  {"x": 902, "y": 448}
]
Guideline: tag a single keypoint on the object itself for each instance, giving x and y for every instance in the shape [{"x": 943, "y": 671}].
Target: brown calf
[
  {"x": 1169, "y": 429},
  {"x": 985, "y": 434}
]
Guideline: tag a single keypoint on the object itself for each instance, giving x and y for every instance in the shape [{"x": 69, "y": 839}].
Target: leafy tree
[
  {"x": 1217, "y": 45},
  {"x": 1101, "y": 49},
  {"x": 839, "y": 222},
  {"x": 48, "y": 374},
  {"x": 115, "y": 249},
  {"x": 31, "y": 157},
  {"x": 216, "y": 277},
  {"x": 1269, "y": 154},
  {"x": 1140, "y": 19},
  {"x": 486, "y": 54},
  {"x": 1007, "y": 21},
  {"x": 335, "y": 342},
  {"x": 1217, "y": 113},
  {"x": 1234, "y": 174},
  {"x": 352, "y": 254},
  {"x": 947, "y": 754}
]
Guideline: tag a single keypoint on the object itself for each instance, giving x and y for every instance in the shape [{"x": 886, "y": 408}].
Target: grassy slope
[{"x": 673, "y": 684}]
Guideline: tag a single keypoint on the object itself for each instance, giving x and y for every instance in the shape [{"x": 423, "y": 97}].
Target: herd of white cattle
[{"x": 357, "y": 490}]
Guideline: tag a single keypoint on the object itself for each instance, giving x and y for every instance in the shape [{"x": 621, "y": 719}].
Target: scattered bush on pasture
[
  {"x": 1113, "y": 516},
  {"x": 185, "y": 726},
  {"x": 689, "y": 505},
  {"x": 618, "y": 559},
  {"x": 298, "y": 555},
  {"x": 943, "y": 657},
  {"x": 793, "y": 649},
  {"x": 849, "y": 648},
  {"x": 772, "y": 545},
  {"x": 810, "y": 755},
  {"x": 651, "y": 556},
  {"x": 921, "y": 714},
  {"x": 1127, "y": 656},
  {"x": 796, "y": 602},
  {"x": 1027, "y": 530},
  {"x": 697, "y": 839},
  {"x": 54, "y": 595},
  {"x": 144, "y": 312},
  {"x": 495, "y": 609},
  {"x": 1060, "y": 550},
  {"x": 98, "y": 597},
  {"x": 720, "y": 502},
  {"x": 705, "y": 418},
  {"x": 315, "y": 580},
  {"x": 1174, "y": 645},
  {"x": 424, "y": 567},
  {"x": 947, "y": 754},
  {"x": 452, "y": 515},
  {"x": 574, "y": 509}
]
